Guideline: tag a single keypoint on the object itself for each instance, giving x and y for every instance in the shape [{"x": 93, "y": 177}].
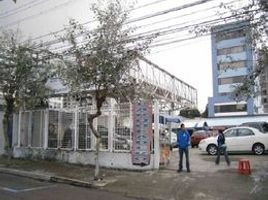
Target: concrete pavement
[
  {"x": 13, "y": 188},
  {"x": 206, "y": 181}
]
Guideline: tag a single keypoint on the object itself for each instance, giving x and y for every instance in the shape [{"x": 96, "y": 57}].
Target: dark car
[
  {"x": 261, "y": 126},
  {"x": 199, "y": 135}
]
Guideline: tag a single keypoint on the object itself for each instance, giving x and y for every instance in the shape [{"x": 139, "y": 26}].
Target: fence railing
[{"x": 69, "y": 129}]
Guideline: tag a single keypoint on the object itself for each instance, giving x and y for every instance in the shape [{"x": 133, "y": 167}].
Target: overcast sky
[{"x": 189, "y": 60}]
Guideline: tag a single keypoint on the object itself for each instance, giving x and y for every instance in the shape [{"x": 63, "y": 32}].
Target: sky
[{"x": 188, "y": 60}]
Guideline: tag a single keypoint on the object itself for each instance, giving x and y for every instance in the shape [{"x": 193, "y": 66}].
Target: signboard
[{"x": 142, "y": 133}]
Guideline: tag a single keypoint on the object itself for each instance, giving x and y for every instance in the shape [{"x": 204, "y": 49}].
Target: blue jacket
[{"x": 183, "y": 139}]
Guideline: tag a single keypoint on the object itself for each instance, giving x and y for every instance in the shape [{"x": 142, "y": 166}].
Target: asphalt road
[{"x": 19, "y": 188}]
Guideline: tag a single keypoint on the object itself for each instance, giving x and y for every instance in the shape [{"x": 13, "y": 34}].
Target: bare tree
[{"x": 100, "y": 60}]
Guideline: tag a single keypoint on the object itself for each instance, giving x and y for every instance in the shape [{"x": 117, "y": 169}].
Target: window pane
[
  {"x": 231, "y": 65},
  {"x": 230, "y": 35},
  {"x": 244, "y": 132},
  {"x": 230, "y": 50},
  {"x": 230, "y": 133},
  {"x": 231, "y": 80},
  {"x": 231, "y": 108}
]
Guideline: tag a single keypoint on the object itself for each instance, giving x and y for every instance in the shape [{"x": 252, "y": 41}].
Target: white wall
[{"x": 118, "y": 160}]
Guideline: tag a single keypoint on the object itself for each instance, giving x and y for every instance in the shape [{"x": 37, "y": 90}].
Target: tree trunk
[
  {"x": 97, "y": 163},
  {"x": 8, "y": 125},
  {"x": 99, "y": 101}
]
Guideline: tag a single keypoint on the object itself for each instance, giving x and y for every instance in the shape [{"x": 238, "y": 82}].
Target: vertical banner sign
[{"x": 142, "y": 133}]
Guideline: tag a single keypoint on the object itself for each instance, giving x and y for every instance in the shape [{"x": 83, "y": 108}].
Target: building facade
[
  {"x": 264, "y": 89},
  {"x": 232, "y": 60}
]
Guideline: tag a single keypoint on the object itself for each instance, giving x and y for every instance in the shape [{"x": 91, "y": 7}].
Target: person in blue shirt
[{"x": 183, "y": 141}]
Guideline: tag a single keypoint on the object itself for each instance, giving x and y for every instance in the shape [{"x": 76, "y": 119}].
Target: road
[{"x": 19, "y": 188}]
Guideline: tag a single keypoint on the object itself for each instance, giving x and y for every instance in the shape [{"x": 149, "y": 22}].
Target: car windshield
[{"x": 261, "y": 126}]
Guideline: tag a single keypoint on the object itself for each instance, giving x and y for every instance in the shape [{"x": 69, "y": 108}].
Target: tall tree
[
  {"x": 100, "y": 60},
  {"x": 205, "y": 113},
  {"x": 23, "y": 74},
  {"x": 190, "y": 113}
]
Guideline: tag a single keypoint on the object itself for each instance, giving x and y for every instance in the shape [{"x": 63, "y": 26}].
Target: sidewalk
[{"x": 206, "y": 181}]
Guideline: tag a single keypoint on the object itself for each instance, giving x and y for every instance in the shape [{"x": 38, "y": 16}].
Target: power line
[
  {"x": 185, "y": 6},
  {"x": 174, "y": 31},
  {"x": 143, "y": 35},
  {"x": 184, "y": 15},
  {"x": 51, "y": 42},
  {"x": 87, "y": 22},
  {"x": 38, "y": 14},
  {"x": 13, "y": 11},
  {"x": 140, "y": 18}
]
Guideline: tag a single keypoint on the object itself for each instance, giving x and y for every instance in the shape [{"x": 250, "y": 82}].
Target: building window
[
  {"x": 224, "y": 94},
  {"x": 264, "y": 100},
  {"x": 231, "y": 50},
  {"x": 230, "y": 35},
  {"x": 231, "y": 65},
  {"x": 231, "y": 108},
  {"x": 264, "y": 92},
  {"x": 231, "y": 80}
]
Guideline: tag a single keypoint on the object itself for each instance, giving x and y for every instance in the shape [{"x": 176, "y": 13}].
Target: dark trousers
[
  {"x": 224, "y": 150},
  {"x": 186, "y": 152}
]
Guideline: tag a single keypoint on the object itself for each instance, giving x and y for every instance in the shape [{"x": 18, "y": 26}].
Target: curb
[
  {"x": 57, "y": 179},
  {"x": 40, "y": 177}
]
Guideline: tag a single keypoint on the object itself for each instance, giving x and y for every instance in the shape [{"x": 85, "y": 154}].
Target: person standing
[
  {"x": 183, "y": 141},
  {"x": 222, "y": 148}
]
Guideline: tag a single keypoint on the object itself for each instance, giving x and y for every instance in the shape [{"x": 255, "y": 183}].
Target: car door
[
  {"x": 231, "y": 139},
  {"x": 245, "y": 139}
]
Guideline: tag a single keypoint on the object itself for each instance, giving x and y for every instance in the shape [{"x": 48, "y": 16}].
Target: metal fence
[{"x": 66, "y": 129}]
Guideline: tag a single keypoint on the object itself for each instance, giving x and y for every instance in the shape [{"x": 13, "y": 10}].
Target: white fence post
[
  {"x": 156, "y": 136},
  {"x": 46, "y": 129},
  {"x": 110, "y": 125},
  {"x": 19, "y": 129},
  {"x": 29, "y": 131},
  {"x": 76, "y": 128}
]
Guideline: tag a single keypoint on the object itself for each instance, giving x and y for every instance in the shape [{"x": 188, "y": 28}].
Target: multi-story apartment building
[
  {"x": 264, "y": 89},
  {"x": 232, "y": 60}
]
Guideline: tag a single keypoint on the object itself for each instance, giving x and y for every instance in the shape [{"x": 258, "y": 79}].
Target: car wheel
[
  {"x": 212, "y": 149},
  {"x": 258, "y": 149}
]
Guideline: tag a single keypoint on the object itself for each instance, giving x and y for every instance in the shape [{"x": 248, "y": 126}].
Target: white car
[{"x": 238, "y": 139}]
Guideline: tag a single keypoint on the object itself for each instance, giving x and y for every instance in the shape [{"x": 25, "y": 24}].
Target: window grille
[
  {"x": 53, "y": 126},
  {"x": 103, "y": 130},
  {"x": 84, "y": 137},
  {"x": 37, "y": 128},
  {"x": 122, "y": 133},
  {"x": 24, "y": 129},
  {"x": 66, "y": 133}
]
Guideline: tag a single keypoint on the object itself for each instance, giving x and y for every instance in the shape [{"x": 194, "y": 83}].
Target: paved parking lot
[{"x": 206, "y": 163}]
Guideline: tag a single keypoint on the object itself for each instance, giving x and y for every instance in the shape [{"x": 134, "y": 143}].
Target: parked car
[
  {"x": 238, "y": 139},
  {"x": 261, "y": 126},
  {"x": 199, "y": 135}
]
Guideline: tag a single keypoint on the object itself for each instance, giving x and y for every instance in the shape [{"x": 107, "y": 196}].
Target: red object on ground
[{"x": 244, "y": 166}]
